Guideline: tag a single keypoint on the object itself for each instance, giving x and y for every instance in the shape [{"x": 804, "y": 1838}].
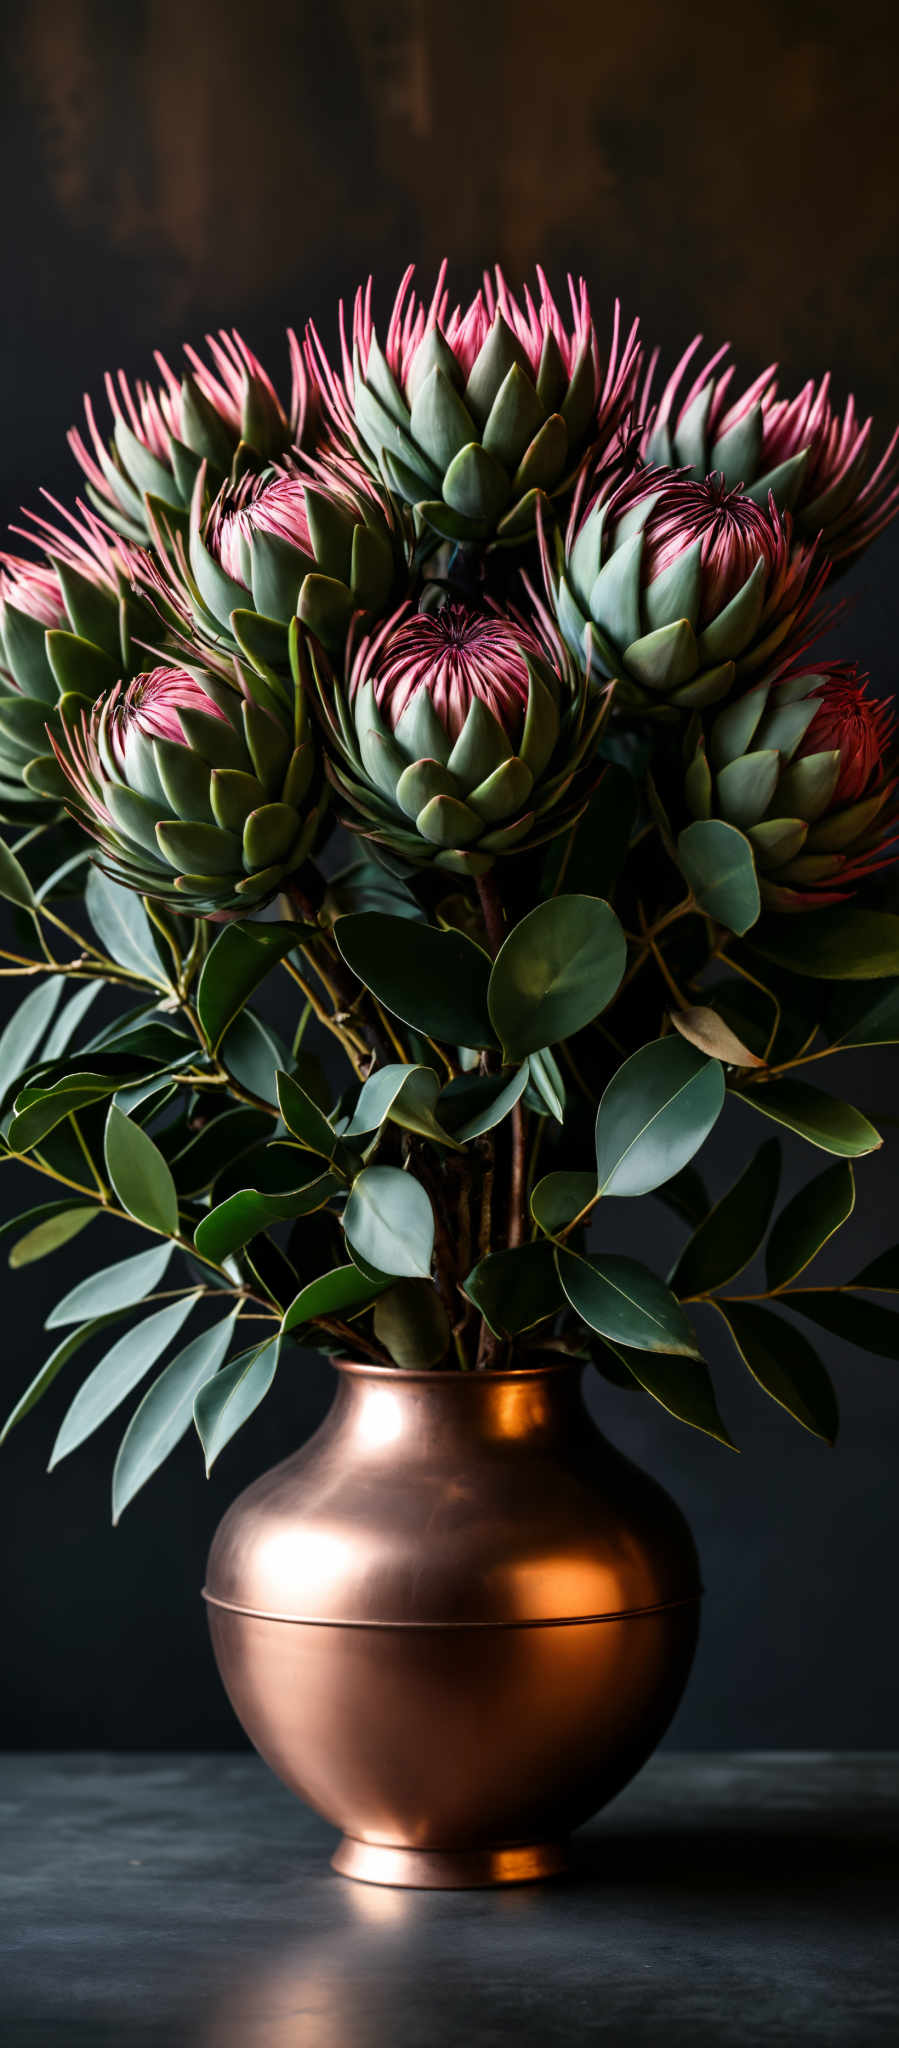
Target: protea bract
[
  {"x": 197, "y": 789},
  {"x": 814, "y": 461},
  {"x": 163, "y": 433},
  {"x": 474, "y": 416},
  {"x": 676, "y": 586},
  {"x": 68, "y": 624},
  {"x": 806, "y": 768},
  {"x": 459, "y": 735}
]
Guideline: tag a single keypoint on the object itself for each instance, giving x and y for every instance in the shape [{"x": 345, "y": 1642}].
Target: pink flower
[
  {"x": 150, "y": 709},
  {"x": 453, "y": 657},
  {"x": 858, "y": 727},
  {"x": 274, "y": 505}
]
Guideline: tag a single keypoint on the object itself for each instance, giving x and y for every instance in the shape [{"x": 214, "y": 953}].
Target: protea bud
[
  {"x": 806, "y": 768},
  {"x": 67, "y": 625},
  {"x": 162, "y": 434},
  {"x": 196, "y": 790},
  {"x": 474, "y": 417},
  {"x": 320, "y": 545},
  {"x": 459, "y": 735},
  {"x": 813, "y": 461},
  {"x": 677, "y": 586}
]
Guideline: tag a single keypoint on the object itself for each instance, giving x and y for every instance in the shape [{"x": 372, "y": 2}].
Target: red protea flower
[
  {"x": 459, "y": 734},
  {"x": 815, "y": 461},
  {"x": 806, "y": 767},
  {"x": 475, "y": 415},
  {"x": 196, "y": 790},
  {"x": 162, "y": 434},
  {"x": 676, "y": 585}
]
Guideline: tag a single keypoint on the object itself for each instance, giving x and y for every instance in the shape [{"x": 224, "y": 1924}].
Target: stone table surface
[{"x": 187, "y": 1902}]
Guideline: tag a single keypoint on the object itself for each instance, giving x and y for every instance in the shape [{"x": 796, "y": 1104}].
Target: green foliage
[
  {"x": 434, "y": 980},
  {"x": 807, "y": 1222},
  {"x": 554, "y": 973},
  {"x": 624, "y": 1302},
  {"x": 784, "y": 1364},
  {"x": 139, "y": 1174},
  {"x": 730, "y": 1234},
  {"x": 656, "y": 1112},
  {"x": 225, "y": 1402},
  {"x": 389, "y": 1222},
  {"x": 818, "y": 1118},
  {"x": 239, "y": 960},
  {"x": 166, "y": 1412},
  {"x": 717, "y": 864}
]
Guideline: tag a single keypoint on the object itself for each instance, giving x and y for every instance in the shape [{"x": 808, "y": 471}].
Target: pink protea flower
[
  {"x": 473, "y": 415},
  {"x": 673, "y": 585},
  {"x": 806, "y": 767},
  {"x": 271, "y": 504},
  {"x": 32, "y": 588},
  {"x": 459, "y": 734},
  {"x": 163, "y": 433},
  {"x": 193, "y": 789},
  {"x": 815, "y": 461}
]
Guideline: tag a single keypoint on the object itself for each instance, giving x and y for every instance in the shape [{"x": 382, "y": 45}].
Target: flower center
[
  {"x": 732, "y": 531},
  {"x": 457, "y": 656},
  {"x": 276, "y": 506},
  {"x": 858, "y": 726},
  {"x": 150, "y": 709}
]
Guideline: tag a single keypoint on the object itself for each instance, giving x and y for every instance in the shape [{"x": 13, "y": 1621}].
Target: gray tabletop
[{"x": 187, "y": 1901}]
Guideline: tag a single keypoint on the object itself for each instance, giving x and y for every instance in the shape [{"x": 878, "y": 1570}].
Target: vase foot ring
[{"x": 447, "y": 1869}]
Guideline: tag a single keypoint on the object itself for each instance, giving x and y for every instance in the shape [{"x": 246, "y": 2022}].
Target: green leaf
[
  {"x": 345, "y": 1290},
  {"x": 14, "y": 883},
  {"x": 69, "y": 1019},
  {"x": 228, "y": 1400},
  {"x": 656, "y": 1112},
  {"x": 859, "y": 1015},
  {"x": 717, "y": 864},
  {"x": 49, "y": 1235},
  {"x": 475, "y": 1103},
  {"x": 808, "y": 1221},
  {"x": 730, "y": 1235},
  {"x": 865, "y": 1323},
  {"x": 682, "y": 1385},
  {"x": 22, "y": 1035},
  {"x": 244, "y": 1214},
  {"x": 38, "y": 1110},
  {"x": 546, "y": 1085},
  {"x": 838, "y": 943},
  {"x": 123, "y": 927},
  {"x": 166, "y": 1412},
  {"x": 881, "y": 1274},
  {"x": 116, "y": 1287},
  {"x": 823, "y": 1121},
  {"x": 304, "y": 1119},
  {"x": 117, "y": 1374},
  {"x": 516, "y": 1289},
  {"x": 686, "y": 1195},
  {"x": 624, "y": 1302},
  {"x": 253, "y": 1055},
  {"x": 407, "y": 1095},
  {"x": 139, "y": 1174},
  {"x": 412, "y": 1324},
  {"x": 559, "y": 1197},
  {"x": 434, "y": 980},
  {"x": 389, "y": 1221},
  {"x": 220, "y": 1144},
  {"x": 240, "y": 958},
  {"x": 44, "y": 1379},
  {"x": 555, "y": 972},
  {"x": 784, "y": 1365}
]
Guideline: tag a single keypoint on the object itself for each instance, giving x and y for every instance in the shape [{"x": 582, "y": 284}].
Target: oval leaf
[
  {"x": 139, "y": 1174},
  {"x": 624, "y": 1302},
  {"x": 115, "y": 1376},
  {"x": 656, "y": 1112},
  {"x": 228, "y": 1400},
  {"x": 705, "y": 1029},
  {"x": 239, "y": 959},
  {"x": 434, "y": 980},
  {"x": 475, "y": 1103},
  {"x": 838, "y": 943},
  {"x": 49, "y": 1235},
  {"x": 555, "y": 972},
  {"x": 389, "y": 1221},
  {"x": 808, "y": 1221},
  {"x": 166, "y": 1412},
  {"x": 559, "y": 1197},
  {"x": 14, "y": 883},
  {"x": 731, "y": 1233},
  {"x": 823, "y": 1121},
  {"x": 682, "y": 1385},
  {"x": 717, "y": 863},
  {"x": 516, "y": 1289},
  {"x": 343, "y": 1291}
]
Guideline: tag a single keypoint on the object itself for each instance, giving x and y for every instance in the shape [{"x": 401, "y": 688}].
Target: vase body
[{"x": 456, "y": 1622}]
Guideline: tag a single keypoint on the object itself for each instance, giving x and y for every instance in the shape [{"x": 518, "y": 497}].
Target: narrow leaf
[
  {"x": 228, "y": 1400},
  {"x": 121, "y": 1370},
  {"x": 139, "y": 1174},
  {"x": 784, "y": 1364},
  {"x": 123, "y": 927},
  {"x": 44, "y": 1379},
  {"x": 21, "y": 1037},
  {"x": 50, "y": 1235},
  {"x": 116, "y": 1287},
  {"x": 823, "y": 1121},
  {"x": 624, "y": 1302},
  {"x": 808, "y": 1221},
  {"x": 730, "y": 1235},
  {"x": 705, "y": 1029},
  {"x": 682, "y": 1385},
  {"x": 166, "y": 1412}
]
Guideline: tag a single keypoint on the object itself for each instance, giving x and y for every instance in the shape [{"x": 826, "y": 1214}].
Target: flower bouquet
[{"x": 461, "y": 709}]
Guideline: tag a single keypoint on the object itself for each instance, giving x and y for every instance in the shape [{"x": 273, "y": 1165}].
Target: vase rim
[{"x": 368, "y": 1369}]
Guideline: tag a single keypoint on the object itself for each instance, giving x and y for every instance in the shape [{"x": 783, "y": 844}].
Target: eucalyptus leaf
[
  {"x": 823, "y": 1121},
  {"x": 555, "y": 972},
  {"x": 841, "y": 942},
  {"x": 14, "y": 883},
  {"x": 233, "y": 1222},
  {"x": 38, "y": 1110},
  {"x": 227, "y": 1401},
  {"x": 123, "y": 927},
  {"x": 784, "y": 1364},
  {"x": 236, "y": 964},
  {"x": 729, "y": 1236},
  {"x": 515, "y": 1289},
  {"x": 50, "y": 1235},
  {"x": 656, "y": 1112},
  {"x": 434, "y": 980},
  {"x": 718, "y": 865},
  {"x": 624, "y": 1302},
  {"x": 21, "y": 1037},
  {"x": 115, "y": 1287},
  {"x": 559, "y": 1197},
  {"x": 43, "y": 1380},
  {"x": 389, "y": 1221},
  {"x": 804, "y": 1227},
  {"x": 139, "y": 1174},
  {"x": 166, "y": 1412},
  {"x": 117, "y": 1374},
  {"x": 846, "y": 1314},
  {"x": 69, "y": 1018},
  {"x": 343, "y": 1291},
  {"x": 682, "y": 1385}
]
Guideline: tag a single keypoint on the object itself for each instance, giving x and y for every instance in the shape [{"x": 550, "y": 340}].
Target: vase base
[{"x": 447, "y": 1869}]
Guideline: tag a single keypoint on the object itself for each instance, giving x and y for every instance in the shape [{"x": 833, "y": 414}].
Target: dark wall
[{"x": 168, "y": 168}]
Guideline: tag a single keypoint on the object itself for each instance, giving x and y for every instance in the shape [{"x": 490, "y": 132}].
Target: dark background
[{"x": 168, "y": 168}]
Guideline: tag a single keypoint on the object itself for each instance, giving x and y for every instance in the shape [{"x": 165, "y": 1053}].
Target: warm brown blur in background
[{"x": 169, "y": 166}]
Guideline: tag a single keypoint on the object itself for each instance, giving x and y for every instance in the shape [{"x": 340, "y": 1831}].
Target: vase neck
[{"x": 425, "y": 1412}]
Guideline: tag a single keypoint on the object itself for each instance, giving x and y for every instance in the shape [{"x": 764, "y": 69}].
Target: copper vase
[{"x": 456, "y": 1622}]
